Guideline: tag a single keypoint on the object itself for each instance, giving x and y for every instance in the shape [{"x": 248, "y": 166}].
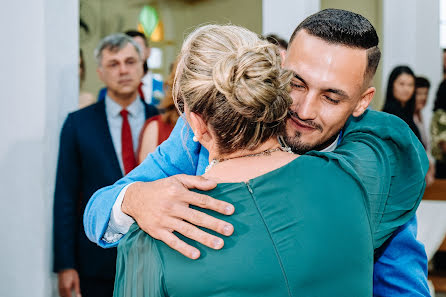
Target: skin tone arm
[
  {"x": 160, "y": 217},
  {"x": 149, "y": 140}
]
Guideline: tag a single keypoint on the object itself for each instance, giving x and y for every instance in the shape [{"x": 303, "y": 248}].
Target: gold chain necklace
[{"x": 263, "y": 153}]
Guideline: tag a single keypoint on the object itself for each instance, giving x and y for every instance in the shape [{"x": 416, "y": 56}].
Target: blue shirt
[{"x": 401, "y": 270}]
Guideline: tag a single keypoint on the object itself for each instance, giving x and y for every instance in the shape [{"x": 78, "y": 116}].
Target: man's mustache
[{"x": 309, "y": 123}]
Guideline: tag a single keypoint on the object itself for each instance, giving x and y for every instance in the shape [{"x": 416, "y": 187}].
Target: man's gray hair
[{"x": 115, "y": 42}]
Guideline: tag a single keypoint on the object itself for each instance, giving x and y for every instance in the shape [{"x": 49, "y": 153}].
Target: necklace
[{"x": 262, "y": 153}]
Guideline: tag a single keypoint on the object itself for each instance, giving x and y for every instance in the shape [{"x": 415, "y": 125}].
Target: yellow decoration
[
  {"x": 141, "y": 29},
  {"x": 158, "y": 32}
]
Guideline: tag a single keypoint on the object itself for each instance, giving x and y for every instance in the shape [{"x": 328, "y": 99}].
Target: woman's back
[{"x": 293, "y": 237}]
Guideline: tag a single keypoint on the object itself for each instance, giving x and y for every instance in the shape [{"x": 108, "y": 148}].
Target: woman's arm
[{"x": 148, "y": 140}]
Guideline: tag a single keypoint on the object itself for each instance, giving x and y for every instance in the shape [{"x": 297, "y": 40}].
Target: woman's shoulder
[
  {"x": 312, "y": 171},
  {"x": 154, "y": 119}
]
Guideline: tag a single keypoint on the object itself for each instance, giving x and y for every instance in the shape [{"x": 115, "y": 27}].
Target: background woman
[
  {"x": 400, "y": 96},
  {"x": 85, "y": 98},
  {"x": 422, "y": 86},
  {"x": 158, "y": 128},
  {"x": 235, "y": 97},
  {"x": 439, "y": 132}
]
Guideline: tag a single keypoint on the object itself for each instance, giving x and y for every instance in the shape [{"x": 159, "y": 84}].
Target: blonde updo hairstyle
[{"x": 234, "y": 81}]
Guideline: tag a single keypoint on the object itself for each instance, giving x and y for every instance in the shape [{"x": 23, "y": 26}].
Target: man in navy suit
[{"x": 97, "y": 147}]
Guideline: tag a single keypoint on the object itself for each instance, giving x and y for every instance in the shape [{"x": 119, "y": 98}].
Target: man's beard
[{"x": 299, "y": 147}]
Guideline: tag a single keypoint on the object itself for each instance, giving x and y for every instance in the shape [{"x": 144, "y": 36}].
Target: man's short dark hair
[
  {"x": 339, "y": 26},
  {"x": 134, "y": 33},
  {"x": 422, "y": 82}
]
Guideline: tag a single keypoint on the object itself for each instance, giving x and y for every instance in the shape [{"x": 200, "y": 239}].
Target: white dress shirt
[{"x": 136, "y": 117}]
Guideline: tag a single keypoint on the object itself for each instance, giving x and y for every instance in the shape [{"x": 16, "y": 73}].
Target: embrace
[{"x": 312, "y": 190}]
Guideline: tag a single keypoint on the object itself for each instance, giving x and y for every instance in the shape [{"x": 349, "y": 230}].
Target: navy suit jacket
[{"x": 87, "y": 162}]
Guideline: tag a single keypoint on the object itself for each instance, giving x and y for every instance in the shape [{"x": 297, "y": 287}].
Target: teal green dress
[{"x": 309, "y": 228}]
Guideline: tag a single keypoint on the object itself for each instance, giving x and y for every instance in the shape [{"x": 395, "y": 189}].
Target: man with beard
[{"x": 334, "y": 55}]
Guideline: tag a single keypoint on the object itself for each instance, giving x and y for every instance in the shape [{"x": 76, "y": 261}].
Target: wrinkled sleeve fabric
[
  {"x": 178, "y": 154},
  {"x": 383, "y": 154},
  {"x": 66, "y": 199},
  {"x": 139, "y": 271}
]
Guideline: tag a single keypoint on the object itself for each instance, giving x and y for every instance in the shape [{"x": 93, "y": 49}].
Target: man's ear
[
  {"x": 364, "y": 102},
  {"x": 100, "y": 73},
  {"x": 198, "y": 126}
]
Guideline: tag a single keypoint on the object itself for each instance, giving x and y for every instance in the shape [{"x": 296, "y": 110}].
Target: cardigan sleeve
[{"x": 386, "y": 158}]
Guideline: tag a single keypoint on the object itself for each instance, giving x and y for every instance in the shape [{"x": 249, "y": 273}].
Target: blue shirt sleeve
[
  {"x": 401, "y": 266},
  {"x": 178, "y": 154}
]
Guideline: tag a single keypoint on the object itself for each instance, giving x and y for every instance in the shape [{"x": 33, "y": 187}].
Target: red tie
[
  {"x": 128, "y": 155},
  {"x": 141, "y": 93}
]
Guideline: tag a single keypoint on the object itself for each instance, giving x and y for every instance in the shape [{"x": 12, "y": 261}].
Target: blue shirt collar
[{"x": 113, "y": 109}]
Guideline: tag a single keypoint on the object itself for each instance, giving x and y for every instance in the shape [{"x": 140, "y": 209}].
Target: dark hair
[
  {"x": 422, "y": 82},
  {"x": 339, "y": 26},
  {"x": 81, "y": 65},
  {"x": 134, "y": 33},
  {"x": 440, "y": 100},
  {"x": 274, "y": 39},
  {"x": 393, "y": 106}
]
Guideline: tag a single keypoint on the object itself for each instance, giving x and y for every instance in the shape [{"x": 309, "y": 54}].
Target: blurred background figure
[
  {"x": 400, "y": 96},
  {"x": 85, "y": 98},
  {"x": 151, "y": 88},
  {"x": 274, "y": 39},
  {"x": 97, "y": 147},
  {"x": 422, "y": 86},
  {"x": 444, "y": 63},
  {"x": 439, "y": 131},
  {"x": 158, "y": 128}
]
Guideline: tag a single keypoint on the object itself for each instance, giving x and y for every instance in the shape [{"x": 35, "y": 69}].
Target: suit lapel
[
  {"x": 107, "y": 142},
  {"x": 149, "y": 110}
]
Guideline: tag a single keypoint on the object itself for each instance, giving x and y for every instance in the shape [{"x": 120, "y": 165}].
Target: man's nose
[
  {"x": 307, "y": 107},
  {"x": 123, "y": 68}
]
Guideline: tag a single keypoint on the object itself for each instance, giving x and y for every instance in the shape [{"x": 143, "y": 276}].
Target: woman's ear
[{"x": 198, "y": 126}]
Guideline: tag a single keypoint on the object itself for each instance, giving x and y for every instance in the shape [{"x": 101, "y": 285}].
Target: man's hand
[
  {"x": 162, "y": 206},
  {"x": 68, "y": 280}
]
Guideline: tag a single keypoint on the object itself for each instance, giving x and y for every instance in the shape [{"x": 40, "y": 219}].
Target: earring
[{"x": 195, "y": 139}]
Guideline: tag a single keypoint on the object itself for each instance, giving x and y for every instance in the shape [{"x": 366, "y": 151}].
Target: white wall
[
  {"x": 411, "y": 37},
  {"x": 281, "y": 17},
  {"x": 39, "y": 83}
]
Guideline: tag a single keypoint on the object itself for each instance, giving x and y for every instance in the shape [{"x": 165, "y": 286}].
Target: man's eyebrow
[
  {"x": 337, "y": 92},
  {"x": 299, "y": 78},
  {"x": 112, "y": 61}
]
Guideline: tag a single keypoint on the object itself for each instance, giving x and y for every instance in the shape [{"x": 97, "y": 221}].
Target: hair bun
[{"x": 254, "y": 84}]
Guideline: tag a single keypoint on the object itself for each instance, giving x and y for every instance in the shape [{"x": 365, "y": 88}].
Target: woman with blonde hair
[{"x": 303, "y": 224}]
